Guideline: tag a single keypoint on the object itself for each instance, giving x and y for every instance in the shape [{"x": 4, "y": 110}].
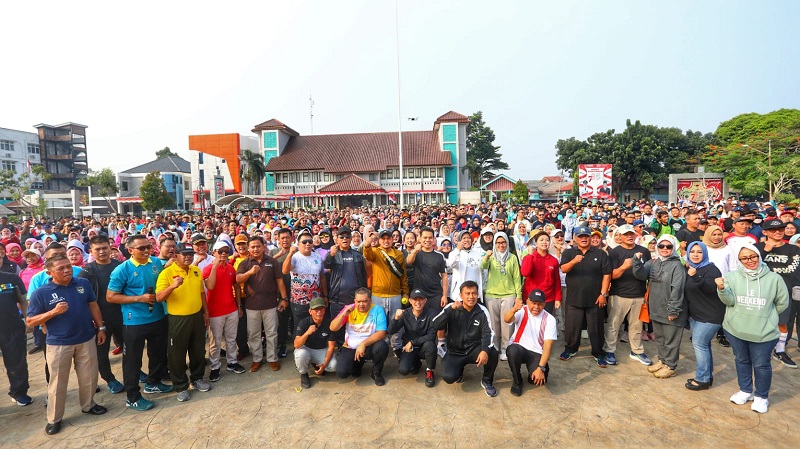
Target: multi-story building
[
  {"x": 216, "y": 167},
  {"x": 175, "y": 172},
  {"x": 63, "y": 154},
  {"x": 19, "y": 150},
  {"x": 339, "y": 170}
]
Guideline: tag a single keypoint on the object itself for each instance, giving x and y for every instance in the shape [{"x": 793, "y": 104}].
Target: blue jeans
[
  {"x": 702, "y": 334},
  {"x": 753, "y": 360}
]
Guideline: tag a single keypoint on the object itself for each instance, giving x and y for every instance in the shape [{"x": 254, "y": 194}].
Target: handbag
[{"x": 644, "y": 312}]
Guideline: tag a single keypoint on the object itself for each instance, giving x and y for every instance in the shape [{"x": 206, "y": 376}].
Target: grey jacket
[{"x": 666, "y": 279}]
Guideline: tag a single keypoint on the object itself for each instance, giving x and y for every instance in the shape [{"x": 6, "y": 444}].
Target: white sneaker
[
  {"x": 442, "y": 350},
  {"x": 741, "y": 398},
  {"x": 760, "y": 405},
  {"x": 503, "y": 356}
]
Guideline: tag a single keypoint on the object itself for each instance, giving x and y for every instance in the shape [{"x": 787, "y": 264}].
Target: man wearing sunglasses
[
  {"x": 133, "y": 286},
  {"x": 348, "y": 271}
]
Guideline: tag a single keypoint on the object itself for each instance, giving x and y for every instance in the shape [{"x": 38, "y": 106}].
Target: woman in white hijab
[{"x": 503, "y": 288}]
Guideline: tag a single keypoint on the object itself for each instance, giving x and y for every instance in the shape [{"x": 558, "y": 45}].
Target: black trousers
[
  {"x": 793, "y": 321},
  {"x": 187, "y": 335},
  {"x": 13, "y": 343},
  {"x": 346, "y": 364},
  {"x": 575, "y": 318},
  {"x": 136, "y": 338},
  {"x": 517, "y": 355},
  {"x": 453, "y": 365},
  {"x": 411, "y": 362},
  {"x": 241, "y": 335},
  {"x": 113, "y": 324},
  {"x": 284, "y": 326}
]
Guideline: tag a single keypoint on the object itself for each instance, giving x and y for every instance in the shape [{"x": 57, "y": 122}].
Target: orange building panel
[{"x": 225, "y": 146}]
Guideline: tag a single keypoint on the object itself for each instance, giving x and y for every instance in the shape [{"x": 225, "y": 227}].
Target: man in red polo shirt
[{"x": 224, "y": 309}]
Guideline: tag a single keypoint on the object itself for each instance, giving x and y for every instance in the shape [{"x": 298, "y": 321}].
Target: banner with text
[{"x": 594, "y": 181}]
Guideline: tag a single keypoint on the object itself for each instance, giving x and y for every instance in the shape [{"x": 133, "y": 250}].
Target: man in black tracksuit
[
  {"x": 419, "y": 337},
  {"x": 469, "y": 338}
]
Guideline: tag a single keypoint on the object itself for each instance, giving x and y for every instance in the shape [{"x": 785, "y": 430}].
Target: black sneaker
[
  {"x": 236, "y": 368},
  {"x": 516, "y": 389},
  {"x": 213, "y": 376},
  {"x": 490, "y": 390},
  {"x": 723, "y": 341},
  {"x": 379, "y": 381},
  {"x": 397, "y": 352},
  {"x": 305, "y": 381},
  {"x": 784, "y": 358},
  {"x": 429, "y": 380},
  {"x": 282, "y": 351}
]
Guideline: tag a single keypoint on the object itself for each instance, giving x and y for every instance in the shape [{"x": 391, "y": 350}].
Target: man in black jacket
[
  {"x": 419, "y": 337},
  {"x": 469, "y": 338},
  {"x": 348, "y": 272}
]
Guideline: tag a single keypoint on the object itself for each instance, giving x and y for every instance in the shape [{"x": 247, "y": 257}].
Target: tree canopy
[
  {"x": 253, "y": 169},
  {"x": 642, "y": 155},
  {"x": 165, "y": 152},
  {"x": 483, "y": 157},
  {"x": 520, "y": 193},
  {"x": 759, "y": 153},
  {"x": 20, "y": 184},
  {"x": 103, "y": 183},
  {"x": 154, "y": 194}
]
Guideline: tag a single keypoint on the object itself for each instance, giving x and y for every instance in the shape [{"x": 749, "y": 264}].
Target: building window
[
  {"x": 9, "y": 166},
  {"x": 449, "y": 133},
  {"x": 305, "y": 176},
  {"x": 326, "y": 177},
  {"x": 433, "y": 172},
  {"x": 440, "y": 172},
  {"x": 6, "y": 145},
  {"x": 124, "y": 186},
  {"x": 285, "y": 178},
  {"x": 202, "y": 179},
  {"x": 419, "y": 173},
  {"x": 199, "y": 157},
  {"x": 33, "y": 148},
  {"x": 37, "y": 185},
  {"x": 373, "y": 176},
  {"x": 186, "y": 185}
]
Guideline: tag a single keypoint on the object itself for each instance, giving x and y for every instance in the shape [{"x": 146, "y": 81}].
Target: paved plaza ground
[{"x": 582, "y": 406}]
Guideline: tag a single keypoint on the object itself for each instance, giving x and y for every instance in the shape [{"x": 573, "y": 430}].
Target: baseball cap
[
  {"x": 33, "y": 251},
  {"x": 241, "y": 238},
  {"x": 185, "y": 248},
  {"x": 773, "y": 224},
  {"x": 738, "y": 209},
  {"x": 742, "y": 218},
  {"x": 638, "y": 222},
  {"x": 536, "y": 295},
  {"x": 383, "y": 232},
  {"x": 582, "y": 230},
  {"x": 771, "y": 211},
  {"x": 794, "y": 239},
  {"x": 417, "y": 293},
  {"x": 626, "y": 228},
  {"x": 197, "y": 238},
  {"x": 220, "y": 244},
  {"x": 316, "y": 303},
  {"x": 344, "y": 230},
  {"x": 555, "y": 232}
]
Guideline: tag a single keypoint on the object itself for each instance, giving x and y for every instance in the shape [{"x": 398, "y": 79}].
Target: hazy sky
[{"x": 144, "y": 75}]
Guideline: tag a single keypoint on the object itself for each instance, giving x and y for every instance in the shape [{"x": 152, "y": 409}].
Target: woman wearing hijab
[
  {"x": 705, "y": 312},
  {"x": 75, "y": 254},
  {"x": 445, "y": 246},
  {"x": 649, "y": 242},
  {"x": 667, "y": 303},
  {"x": 14, "y": 252},
  {"x": 753, "y": 296},
  {"x": 521, "y": 237},
  {"x": 503, "y": 288},
  {"x": 465, "y": 262},
  {"x": 356, "y": 242},
  {"x": 33, "y": 265},
  {"x": 718, "y": 253}
]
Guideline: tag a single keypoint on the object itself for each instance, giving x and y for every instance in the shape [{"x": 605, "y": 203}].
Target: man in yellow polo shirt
[{"x": 180, "y": 285}]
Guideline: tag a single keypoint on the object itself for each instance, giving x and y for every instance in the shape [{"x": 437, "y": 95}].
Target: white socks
[{"x": 781, "y": 345}]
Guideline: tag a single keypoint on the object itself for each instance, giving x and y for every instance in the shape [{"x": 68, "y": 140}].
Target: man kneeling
[
  {"x": 365, "y": 329},
  {"x": 419, "y": 337},
  {"x": 469, "y": 338},
  {"x": 314, "y": 343},
  {"x": 532, "y": 340}
]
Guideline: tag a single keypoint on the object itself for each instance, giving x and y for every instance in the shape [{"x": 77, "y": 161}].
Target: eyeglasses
[
  {"x": 143, "y": 248},
  {"x": 559, "y": 236},
  {"x": 306, "y": 242},
  {"x": 752, "y": 258},
  {"x": 664, "y": 246},
  {"x": 446, "y": 244},
  {"x": 222, "y": 251}
]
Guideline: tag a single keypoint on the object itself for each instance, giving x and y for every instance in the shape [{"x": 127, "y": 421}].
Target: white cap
[{"x": 220, "y": 244}]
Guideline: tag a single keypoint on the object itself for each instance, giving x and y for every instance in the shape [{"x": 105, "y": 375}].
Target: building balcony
[
  {"x": 59, "y": 157},
  {"x": 64, "y": 138},
  {"x": 62, "y": 175}
]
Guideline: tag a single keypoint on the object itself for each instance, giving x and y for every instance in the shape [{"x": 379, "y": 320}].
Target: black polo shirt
[
  {"x": 585, "y": 279},
  {"x": 320, "y": 338},
  {"x": 627, "y": 285}
]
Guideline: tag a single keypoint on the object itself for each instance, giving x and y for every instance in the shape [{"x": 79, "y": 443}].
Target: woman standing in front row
[{"x": 754, "y": 297}]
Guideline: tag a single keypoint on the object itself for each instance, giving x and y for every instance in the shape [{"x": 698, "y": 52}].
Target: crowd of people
[{"x": 454, "y": 285}]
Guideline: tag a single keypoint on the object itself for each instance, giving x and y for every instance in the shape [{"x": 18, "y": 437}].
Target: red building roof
[
  {"x": 360, "y": 153},
  {"x": 352, "y": 185},
  {"x": 453, "y": 116},
  {"x": 273, "y": 124}
]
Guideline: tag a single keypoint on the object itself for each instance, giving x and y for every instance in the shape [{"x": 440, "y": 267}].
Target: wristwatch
[
  {"x": 541, "y": 368},
  {"x": 604, "y": 295},
  {"x": 101, "y": 328}
]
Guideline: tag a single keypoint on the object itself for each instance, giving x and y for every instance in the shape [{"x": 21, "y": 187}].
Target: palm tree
[{"x": 253, "y": 170}]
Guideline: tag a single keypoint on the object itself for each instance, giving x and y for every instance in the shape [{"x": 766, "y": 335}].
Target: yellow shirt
[{"x": 186, "y": 299}]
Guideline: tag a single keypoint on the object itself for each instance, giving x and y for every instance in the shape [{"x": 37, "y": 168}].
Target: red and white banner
[
  {"x": 594, "y": 181},
  {"x": 699, "y": 190}
]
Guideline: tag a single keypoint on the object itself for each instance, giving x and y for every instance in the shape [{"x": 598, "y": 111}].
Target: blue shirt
[
  {"x": 133, "y": 279},
  {"x": 73, "y": 327}
]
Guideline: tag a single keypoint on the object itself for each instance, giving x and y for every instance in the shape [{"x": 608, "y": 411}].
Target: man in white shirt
[{"x": 532, "y": 342}]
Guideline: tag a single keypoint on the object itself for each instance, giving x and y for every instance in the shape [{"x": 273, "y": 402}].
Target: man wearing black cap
[
  {"x": 314, "y": 343},
  {"x": 348, "y": 271},
  {"x": 740, "y": 233},
  {"x": 727, "y": 224},
  {"x": 588, "y": 271},
  {"x": 418, "y": 339},
  {"x": 532, "y": 342},
  {"x": 783, "y": 259}
]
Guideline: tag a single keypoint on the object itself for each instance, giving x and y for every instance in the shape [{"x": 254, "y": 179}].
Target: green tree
[
  {"x": 165, "y": 152},
  {"x": 154, "y": 194},
  {"x": 253, "y": 170},
  {"x": 520, "y": 193},
  {"x": 103, "y": 183},
  {"x": 759, "y": 153},
  {"x": 19, "y": 185},
  {"x": 642, "y": 155},
  {"x": 481, "y": 151}
]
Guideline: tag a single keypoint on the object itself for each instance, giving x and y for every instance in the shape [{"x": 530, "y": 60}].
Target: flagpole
[{"x": 399, "y": 114}]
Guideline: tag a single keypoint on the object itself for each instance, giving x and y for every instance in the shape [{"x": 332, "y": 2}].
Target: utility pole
[
  {"x": 311, "y": 111},
  {"x": 399, "y": 114}
]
